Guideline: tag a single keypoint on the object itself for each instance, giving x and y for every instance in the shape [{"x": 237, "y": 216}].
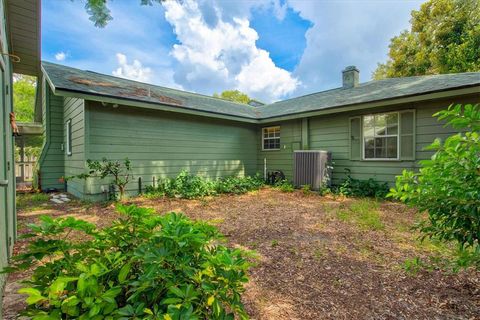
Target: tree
[
  {"x": 24, "y": 98},
  {"x": 233, "y": 95},
  {"x": 448, "y": 185},
  {"x": 100, "y": 13},
  {"x": 444, "y": 38}
]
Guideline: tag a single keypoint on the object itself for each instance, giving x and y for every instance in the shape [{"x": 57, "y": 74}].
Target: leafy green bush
[
  {"x": 362, "y": 188},
  {"x": 186, "y": 185},
  {"x": 143, "y": 266},
  {"x": 285, "y": 186},
  {"x": 448, "y": 185}
]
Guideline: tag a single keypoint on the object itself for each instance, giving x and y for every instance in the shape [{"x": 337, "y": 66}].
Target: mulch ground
[{"x": 311, "y": 263}]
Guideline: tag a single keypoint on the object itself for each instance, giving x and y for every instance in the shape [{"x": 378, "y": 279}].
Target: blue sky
[{"x": 270, "y": 49}]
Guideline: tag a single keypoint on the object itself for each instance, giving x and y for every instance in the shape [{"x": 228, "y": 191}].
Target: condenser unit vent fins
[{"x": 311, "y": 167}]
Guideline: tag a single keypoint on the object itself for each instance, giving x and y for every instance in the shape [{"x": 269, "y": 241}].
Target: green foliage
[
  {"x": 100, "y": 14},
  {"x": 444, "y": 38},
  {"x": 189, "y": 186},
  {"x": 233, "y": 95},
  {"x": 285, "y": 186},
  {"x": 24, "y": 98},
  {"x": 306, "y": 189},
  {"x": 120, "y": 172},
  {"x": 362, "y": 188},
  {"x": 143, "y": 266},
  {"x": 448, "y": 185},
  {"x": 31, "y": 200}
]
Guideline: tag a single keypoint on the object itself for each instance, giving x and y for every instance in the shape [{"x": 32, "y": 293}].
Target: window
[
  {"x": 68, "y": 130},
  {"x": 380, "y": 136},
  {"x": 271, "y": 138}
]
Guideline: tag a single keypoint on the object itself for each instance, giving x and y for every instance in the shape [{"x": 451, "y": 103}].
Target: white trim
[
  {"x": 68, "y": 131},
  {"x": 263, "y": 138},
  {"x": 384, "y": 136}
]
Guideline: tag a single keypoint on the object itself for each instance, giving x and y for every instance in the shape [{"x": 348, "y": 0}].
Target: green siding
[
  {"x": 7, "y": 164},
  {"x": 161, "y": 144},
  {"x": 331, "y": 133},
  {"x": 51, "y": 162},
  {"x": 290, "y": 139},
  {"x": 74, "y": 164}
]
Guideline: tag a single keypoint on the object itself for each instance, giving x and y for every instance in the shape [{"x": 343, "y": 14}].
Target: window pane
[
  {"x": 392, "y": 147},
  {"x": 380, "y": 148},
  {"x": 369, "y": 153},
  {"x": 380, "y": 124},
  {"x": 392, "y": 123},
  {"x": 368, "y": 126}
]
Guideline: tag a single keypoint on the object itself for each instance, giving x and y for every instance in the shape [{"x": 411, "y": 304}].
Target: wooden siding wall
[
  {"x": 51, "y": 161},
  {"x": 74, "y": 163},
  {"x": 161, "y": 144},
  {"x": 331, "y": 133},
  {"x": 8, "y": 217},
  {"x": 290, "y": 139}
]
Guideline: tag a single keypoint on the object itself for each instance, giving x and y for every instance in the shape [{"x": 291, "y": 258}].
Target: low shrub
[
  {"x": 186, "y": 185},
  {"x": 143, "y": 266},
  {"x": 362, "y": 188},
  {"x": 285, "y": 186}
]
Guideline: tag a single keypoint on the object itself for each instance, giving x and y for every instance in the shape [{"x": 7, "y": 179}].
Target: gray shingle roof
[
  {"x": 71, "y": 79},
  {"x": 89, "y": 82},
  {"x": 371, "y": 91}
]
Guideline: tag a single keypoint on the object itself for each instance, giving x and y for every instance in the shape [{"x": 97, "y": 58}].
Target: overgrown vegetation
[
  {"x": 118, "y": 171},
  {"x": 32, "y": 201},
  {"x": 285, "y": 186},
  {"x": 189, "y": 186},
  {"x": 362, "y": 188},
  {"x": 143, "y": 266},
  {"x": 448, "y": 185}
]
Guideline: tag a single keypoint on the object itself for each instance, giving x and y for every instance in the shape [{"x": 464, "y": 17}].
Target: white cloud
[
  {"x": 134, "y": 71},
  {"x": 60, "y": 56},
  {"x": 222, "y": 54}
]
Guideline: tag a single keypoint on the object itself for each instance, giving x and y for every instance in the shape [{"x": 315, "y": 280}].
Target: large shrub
[
  {"x": 189, "y": 186},
  {"x": 448, "y": 185},
  {"x": 144, "y": 266}
]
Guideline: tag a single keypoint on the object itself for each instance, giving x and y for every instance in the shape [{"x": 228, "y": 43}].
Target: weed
[
  {"x": 32, "y": 201},
  {"x": 306, "y": 189},
  {"x": 363, "y": 212},
  {"x": 285, "y": 186},
  {"x": 274, "y": 243}
]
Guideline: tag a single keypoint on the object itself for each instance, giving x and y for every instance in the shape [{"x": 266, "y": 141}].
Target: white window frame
[
  {"x": 384, "y": 136},
  {"x": 68, "y": 144},
  {"x": 267, "y": 138}
]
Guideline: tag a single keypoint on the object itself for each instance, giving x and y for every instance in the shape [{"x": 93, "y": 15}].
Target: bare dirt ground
[{"x": 318, "y": 257}]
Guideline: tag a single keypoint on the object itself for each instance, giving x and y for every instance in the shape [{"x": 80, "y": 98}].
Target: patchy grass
[
  {"x": 364, "y": 213},
  {"x": 32, "y": 201},
  {"x": 320, "y": 257}
]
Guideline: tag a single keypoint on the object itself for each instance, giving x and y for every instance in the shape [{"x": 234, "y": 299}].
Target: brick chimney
[{"x": 350, "y": 77}]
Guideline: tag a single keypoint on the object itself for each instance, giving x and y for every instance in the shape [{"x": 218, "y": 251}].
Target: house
[
  {"x": 374, "y": 129},
  {"x": 20, "y": 53}
]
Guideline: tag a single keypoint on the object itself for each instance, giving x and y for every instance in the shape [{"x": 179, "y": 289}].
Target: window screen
[
  {"x": 271, "y": 138},
  {"x": 380, "y": 136}
]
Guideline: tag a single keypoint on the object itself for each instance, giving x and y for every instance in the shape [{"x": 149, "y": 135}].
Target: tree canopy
[
  {"x": 233, "y": 95},
  {"x": 100, "y": 14},
  {"x": 444, "y": 38},
  {"x": 24, "y": 98}
]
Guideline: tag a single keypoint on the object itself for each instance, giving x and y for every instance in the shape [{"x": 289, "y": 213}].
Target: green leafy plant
[
  {"x": 362, "y": 188},
  {"x": 189, "y": 186},
  {"x": 143, "y": 266},
  {"x": 118, "y": 171},
  {"x": 448, "y": 185},
  {"x": 285, "y": 186},
  {"x": 306, "y": 189}
]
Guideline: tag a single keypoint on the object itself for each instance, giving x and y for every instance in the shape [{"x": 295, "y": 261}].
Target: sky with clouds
[{"x": 269, "y": 49}]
